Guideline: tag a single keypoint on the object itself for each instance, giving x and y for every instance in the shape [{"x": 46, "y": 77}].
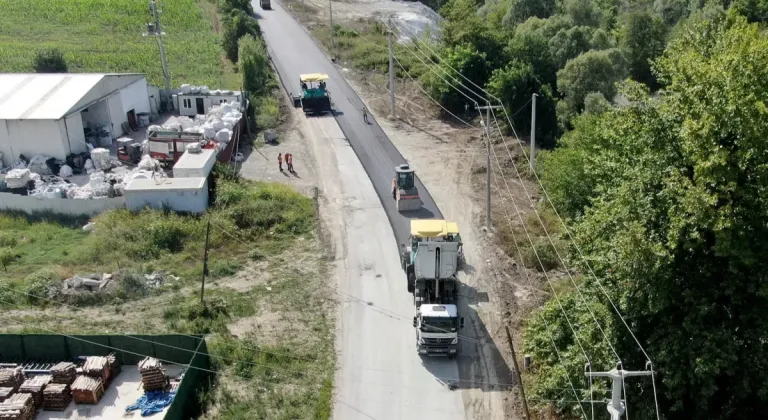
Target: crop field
[{"x": 106, "y": 36}]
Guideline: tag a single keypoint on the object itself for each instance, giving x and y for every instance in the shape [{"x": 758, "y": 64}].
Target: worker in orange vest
[
  {"x": 280, "y": 161},
  {"x": 289, "y": 161}
]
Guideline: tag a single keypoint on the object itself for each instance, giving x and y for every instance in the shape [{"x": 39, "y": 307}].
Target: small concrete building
[
  {"x": 177, "y": 194},
  {"x": 191, "y": 104},
  {"x": 195, "y": 165},
  {"x": 46, "y": 114}
]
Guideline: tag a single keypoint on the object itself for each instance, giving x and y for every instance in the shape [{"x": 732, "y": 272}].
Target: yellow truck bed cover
[{"x": 432, "y": 228}]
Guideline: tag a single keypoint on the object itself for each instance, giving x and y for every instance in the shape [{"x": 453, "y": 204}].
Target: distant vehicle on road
[{"x": 266, "y": 4}]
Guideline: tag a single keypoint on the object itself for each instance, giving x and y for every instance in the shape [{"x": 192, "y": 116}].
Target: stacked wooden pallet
[
  {"x": 18, "y": 407},
  {"x": 64, "y": 373},
  {"x": 97, "y": 367},
  {"x": 152, "y": 374},
  {"x": 87, "y": 390},
  {"x": 12, "y": 377},
  {"x": 5, "y": 393},
  {"x": 56, "y": 397},
  {"x": 35, "y": 386}
]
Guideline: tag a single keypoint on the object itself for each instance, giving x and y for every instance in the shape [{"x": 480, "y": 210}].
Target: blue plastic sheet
[{"x": 152, "y": 402}]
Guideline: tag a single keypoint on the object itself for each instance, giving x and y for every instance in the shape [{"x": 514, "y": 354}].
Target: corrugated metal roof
[
  {"x": 195, "y": 160},
  {"x": 169, "y": 184},
  {"x": 30, "y": 96}
]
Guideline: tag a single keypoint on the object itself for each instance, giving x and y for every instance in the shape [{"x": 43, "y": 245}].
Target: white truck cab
[{"x": 437, "y": 330}]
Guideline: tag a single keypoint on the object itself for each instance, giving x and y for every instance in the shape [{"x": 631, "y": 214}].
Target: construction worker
[
  {"x": 365, "y": 114},
  {"x": 280, "y": 161},
  {"x": 289, "y": 161}
]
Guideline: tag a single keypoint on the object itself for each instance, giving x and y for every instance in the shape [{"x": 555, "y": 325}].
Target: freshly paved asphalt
[{"x": 294, "y": 52}]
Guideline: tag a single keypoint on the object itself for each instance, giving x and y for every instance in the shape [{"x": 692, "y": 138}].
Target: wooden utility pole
[
  {"x": 517, "y": 374},
  {"x": 205, "y": 263},
  {"x": 487, "y": 127},
  {"x": 391, "y": 69}
]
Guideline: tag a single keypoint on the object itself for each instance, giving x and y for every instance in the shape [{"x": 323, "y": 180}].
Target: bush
[
  {"x": 545, "y": 252},
  {"x": 267, "y": 112},
  {"x": 41, "y": 285},
  {"x": 7, "y": 240},
  {"x": 7, "y": 257},
  {"x": 167, "y": 235},
  {"x": 50, "y": 61},
  {"x": 236, "y": 25}
]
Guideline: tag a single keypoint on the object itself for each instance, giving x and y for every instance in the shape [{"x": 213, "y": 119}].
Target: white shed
[
  {"x": 46, "y": 114},
  {"x": 192, "y": 104},
  {"x": 195, "y": 165},
  {"x": 178, "y": 194}
]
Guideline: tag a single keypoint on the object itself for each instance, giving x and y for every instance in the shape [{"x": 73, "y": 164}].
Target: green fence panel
[
  {"x": 186, "y": 405},
  {"x": 174, "y": 348},
  {"x": 11, "y": 348},
  {"x": 89, "y": 345},
  {"x": 46, "y": 348},
  {"x": 133, "y": 349}
]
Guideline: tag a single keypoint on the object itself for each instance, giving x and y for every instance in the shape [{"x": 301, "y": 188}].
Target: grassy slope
[{"x": 106, "y": 36}]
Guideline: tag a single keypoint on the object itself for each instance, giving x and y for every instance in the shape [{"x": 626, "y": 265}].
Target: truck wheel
[
  {"x": 411, "y": 283},
  {"x": 451, "y": 356}
]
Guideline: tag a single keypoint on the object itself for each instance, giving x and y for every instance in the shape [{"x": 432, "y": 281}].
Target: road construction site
[{"x": 379, "y": 372}]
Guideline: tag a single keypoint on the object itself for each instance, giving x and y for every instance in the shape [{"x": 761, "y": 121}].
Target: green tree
[
  {"x": 7, "y": 257},
  {"x": 671, "y": 11},
  {"x": 467, "y": 61},
  {"x": 643, "y": 38},
  {"x": 754, "y": 10},
  {"x": 569, "y": 43},
  {"x": 595, "y": 103},
  {"x": 532, "y": 48},
  {"x": 254, "y": 66},
  {"x": 463, "y": 27},
  {"x": 236, "y": 25},
  {"x": 514, "y": 85},
  {"x": 593, "y": 71},
  {"x": 50, "y": 61},
  {"x": 673, "y": 219},
  {"x": 521, "y": 10},
  {"x": 583, "y": 12},
  {"x": 227, "y": 6}
]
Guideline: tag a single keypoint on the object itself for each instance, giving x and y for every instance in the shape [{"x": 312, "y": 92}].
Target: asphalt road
[
  {"x": 294, "y": 52},
  {"x": 379, "y": 374}
]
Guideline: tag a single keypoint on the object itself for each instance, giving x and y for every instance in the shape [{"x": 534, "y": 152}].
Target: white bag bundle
[
  {"x": 148, "y": 164},
  {"x": 186, "y": 89},
  {"x": 18, "y": 178},
  {"x": 223, "y": 136},
  {"x": 226, "y": 108},
  {"x": 101, "y": 160},
  {"x": 208, "y": 131},
  {"x": 186, "y": 122},
  {"x": 217, "y": 124},
  {"x": 38, "y": 166},
  {"x": 65, "y": 171},
  {"x": 204, "y": 90}
]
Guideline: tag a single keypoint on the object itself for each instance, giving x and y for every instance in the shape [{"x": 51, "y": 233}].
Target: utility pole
[
  {"x": 517, "y": 374},
  {"x": 617, "y": 407},
  {"x": 156, "y": 30},
  {"x": 533, "y": 131},
  {"x": 486, "y": 125},
  {"x": 205, "y": 263},
  {"x": 391, "y": 69}
]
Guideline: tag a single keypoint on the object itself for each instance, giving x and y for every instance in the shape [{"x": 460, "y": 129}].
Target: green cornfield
[{"x": 104, "y": 36}]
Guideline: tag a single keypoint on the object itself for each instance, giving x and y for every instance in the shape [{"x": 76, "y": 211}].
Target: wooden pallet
[
  {"x": 56, "y": 397},
  {"x": 87, "y": 390},
  {"x": 34, "y": 386}
]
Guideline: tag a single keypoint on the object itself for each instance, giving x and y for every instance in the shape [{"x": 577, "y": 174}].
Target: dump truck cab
[
  {"x": 437, "y": 330},
  {"x": 314, "y": 97},
  {"x": 404, "y": 190}
]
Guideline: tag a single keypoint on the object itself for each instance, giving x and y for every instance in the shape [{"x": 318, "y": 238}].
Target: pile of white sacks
[
  {"x": 216, "y": 125},
  {"x": 100, "y": 184}
]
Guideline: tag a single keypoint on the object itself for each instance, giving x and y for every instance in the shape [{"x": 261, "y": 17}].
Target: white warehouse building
[{"x": 46, "y": 114}]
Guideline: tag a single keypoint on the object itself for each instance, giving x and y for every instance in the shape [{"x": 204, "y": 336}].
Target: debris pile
[
  {"x": 152, "y": 374},
  {"x": 18, "y": 407},
  {"x": 12, "y": 377},
  {"x": 97, "y": 135},
  {"x": 64, "y": 373},
  {"x": 87, "y": 282},
  {"x": 56, "y": 397},
  {"x": 157, "y": 278},
  {"x": 35, "y": 386},
  {"x": 87, "y": 390}
]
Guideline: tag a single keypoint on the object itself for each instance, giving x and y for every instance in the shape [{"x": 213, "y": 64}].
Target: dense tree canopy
[
  {"x": 667, "y": 197},
  {"x": 593, "y": 71}
]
